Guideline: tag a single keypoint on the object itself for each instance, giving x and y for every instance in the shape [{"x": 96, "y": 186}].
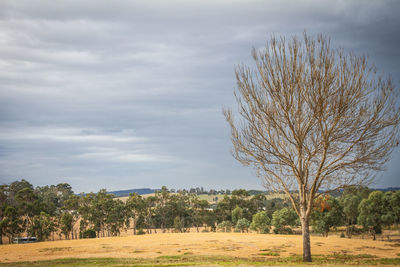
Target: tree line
[{"x": 48, "y": 211}]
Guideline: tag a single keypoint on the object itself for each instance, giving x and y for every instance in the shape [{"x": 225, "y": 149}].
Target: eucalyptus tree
[
  {"x": 15, "y": 187},
  {"x": 101, "y": 207},
  {"x": 350, "y": 199},
  {"x": 28, "y": 205},
  {"x": 237, "y": 214},
  {"x": 242, "y": 225},
  {"x": 198, "y": 211},
  {"x": 52, "y": 197},
  {"x": 223, "y": 211},
  {"x": 261, "y": 223},
  {"x": 327, "y": 213},
  {"x": 66, "y": 224},
  {"x": 257, "y": 203},
  {"x": 371, "y": 213},
  {"x": 313, "y": 118},
  {"x": 3, "y": 206},
  {"x": 84, "y": 211},
  {"x": 43, "y": 225},
  {"x": 116, "y": 216},
  {"x": 179, "y": 207},
  {"x": 394, "y": 205},
  {"x": 71, "y": 206},
  {"x": 148, "y": 213},
  {"x": 11, "y": 223},
  {"x": 135, "y": 206},
  {"x": 163, "y": 196},
  {"x": 283, "y": 219}
]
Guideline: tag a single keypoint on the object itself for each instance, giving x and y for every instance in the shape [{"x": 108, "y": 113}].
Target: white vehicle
[{"x": 24, "y": 240}]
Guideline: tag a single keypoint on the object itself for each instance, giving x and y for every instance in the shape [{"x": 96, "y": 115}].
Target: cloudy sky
[{"x": 128, "y": 94}]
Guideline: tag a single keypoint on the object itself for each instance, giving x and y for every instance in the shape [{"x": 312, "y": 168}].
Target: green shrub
[
  {"x": 178, "y": 227},
  {"x": 237, "y": 214},
  {"x": 283, "y": 230},
  {"x": 261, "y": 223},
  {"x": 140, "y": 232},
  {"x": 283, "y": 219},
  {"x": 225, "y": 226},
  {"x": 242, "y": 225},
  {"x": 89, "y": 233}
]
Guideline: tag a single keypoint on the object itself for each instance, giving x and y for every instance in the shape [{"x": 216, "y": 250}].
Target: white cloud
[
  {"x": 71, "y": 135},
  {"x": 124, "y": 156}
]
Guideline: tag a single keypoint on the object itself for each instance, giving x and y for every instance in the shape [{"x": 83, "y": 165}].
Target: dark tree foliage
[
  {"x": 327, "y": 213},
  {"x": 54, "y": 210}
]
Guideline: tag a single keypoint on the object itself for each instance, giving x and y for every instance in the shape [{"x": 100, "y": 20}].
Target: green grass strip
[{"x": 190, "y": 260}]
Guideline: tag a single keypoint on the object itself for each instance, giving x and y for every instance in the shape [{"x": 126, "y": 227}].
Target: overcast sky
[{"x": 128, "y": 94}]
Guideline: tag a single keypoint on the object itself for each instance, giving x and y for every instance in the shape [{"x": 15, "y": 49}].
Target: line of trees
[{"x": 53, "y": 210}]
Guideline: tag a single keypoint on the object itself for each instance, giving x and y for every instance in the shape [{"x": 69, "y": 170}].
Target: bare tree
[{"x": 312, "y": 118}]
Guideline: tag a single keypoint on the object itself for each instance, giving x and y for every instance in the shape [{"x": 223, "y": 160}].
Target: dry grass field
[{"x": 229, "y": 245}]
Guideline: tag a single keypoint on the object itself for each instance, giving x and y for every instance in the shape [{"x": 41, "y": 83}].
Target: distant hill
[
  {"x": 387, "y": 189},
  {"x": 145, "y": 191},
  {"x": 124, "y": 193}
]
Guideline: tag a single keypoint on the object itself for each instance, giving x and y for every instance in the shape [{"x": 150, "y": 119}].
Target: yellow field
[{"x": 228, "y": 244}]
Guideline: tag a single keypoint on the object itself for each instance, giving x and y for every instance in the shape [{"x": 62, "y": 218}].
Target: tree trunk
[
  {"x": 305, "y": 230},
  {"x": 348, "y": 231},
  {"x": 373, "y": 234}
]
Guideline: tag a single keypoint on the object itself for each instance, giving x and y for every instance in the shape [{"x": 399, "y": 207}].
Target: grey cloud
[{"x": 77, "y": 76}]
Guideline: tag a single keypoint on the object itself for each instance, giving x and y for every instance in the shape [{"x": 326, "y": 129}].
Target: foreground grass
[{"x": 187, "y": 260}]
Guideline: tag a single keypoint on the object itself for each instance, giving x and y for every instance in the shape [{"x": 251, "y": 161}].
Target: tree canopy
[{"x": 312, "y": 118}]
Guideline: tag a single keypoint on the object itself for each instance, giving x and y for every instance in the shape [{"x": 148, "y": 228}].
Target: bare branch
[{"x": 312, "y": 118}]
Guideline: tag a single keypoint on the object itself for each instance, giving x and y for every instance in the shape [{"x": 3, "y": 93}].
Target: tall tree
[
  {"x": 178, "y": 206},
  {"x": 66, "y": 224},
  {"x": 163, "y": 197},
  {"x": 350, "y": 199},
  {"x": 135, "y": 207},
  {"x": 242, "y": 225},
  {"x": 148, "y": 213},
  {"x": 11, "y": 223},
  {"x": 395, "y": 206},
  {"x": 223, "y": 211},
  {"x": 198, "y": 210},
  {"x": 261, "y": 222},
  {"x": 100, "y": 208},
  {"x": 372, "y": 213},
  {"x": 258, "y": 203},
  {"x": 3, "y": 206},
  {"x": 327, "y": 213},
  {"x": 283, "y": 219},
  {"x": 28, "y": 205},
  {"x": 237, "y": 214},
  {"x": 42, "y": 226},
  {"x": 313, "y": 118},
  {"x": 17, "y": 186},
  {"x": 116, "y": 216},
  {"x": 71, "y": 205}
]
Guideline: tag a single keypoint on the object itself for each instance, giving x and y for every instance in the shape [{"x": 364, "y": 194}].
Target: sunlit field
[{"x": 201, "y": 248}]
